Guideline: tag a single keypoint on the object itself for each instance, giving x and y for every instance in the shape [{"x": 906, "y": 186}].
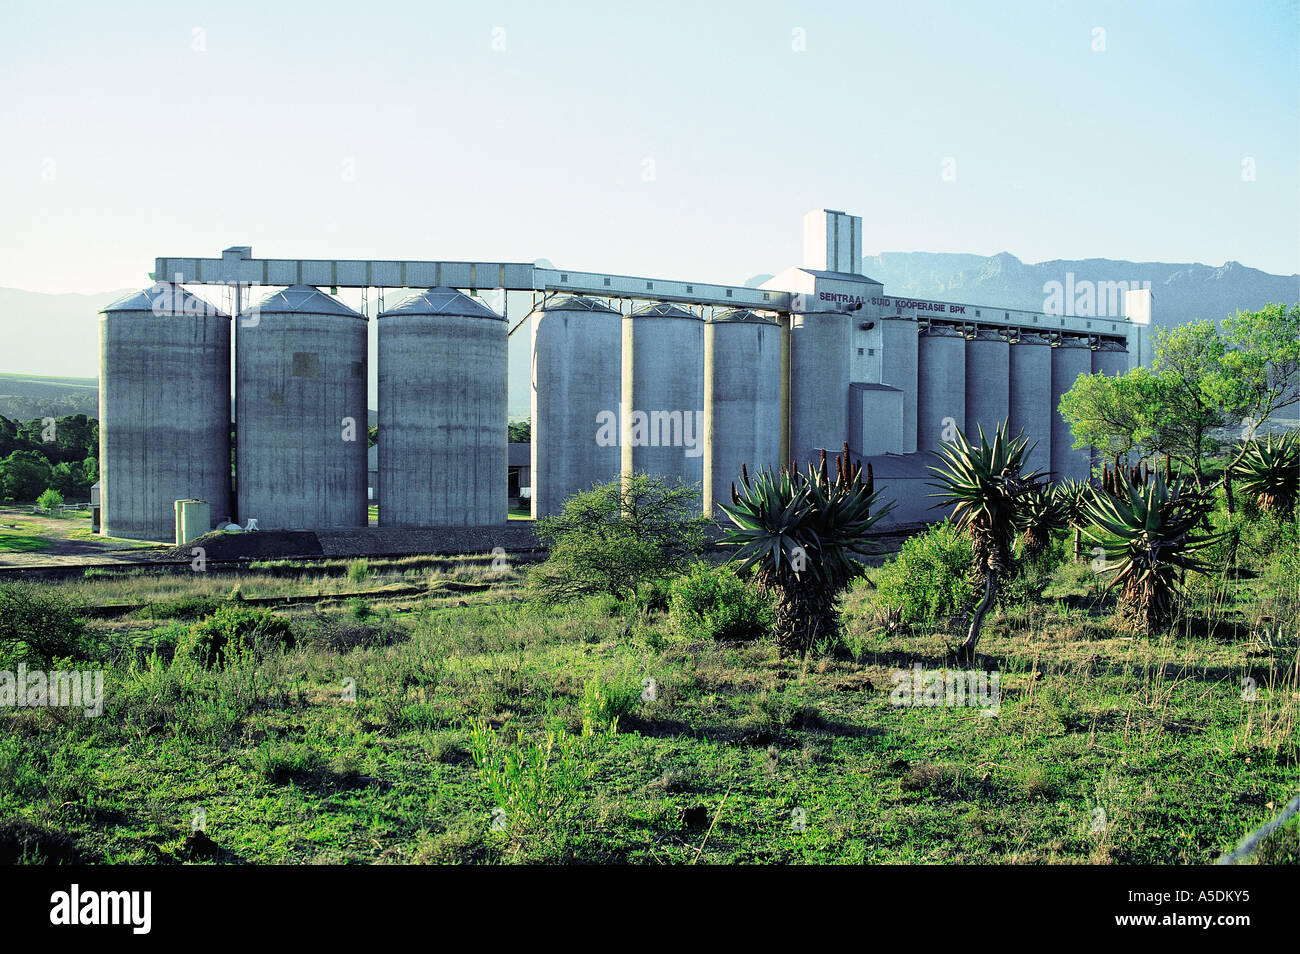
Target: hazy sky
[{"x": 682, "y": 140}]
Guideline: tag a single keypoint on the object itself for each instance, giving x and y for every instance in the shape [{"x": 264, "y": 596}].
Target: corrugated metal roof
[
  {"x": 302, "y": 299},
  {"x": 164, "y": 298},
  {"x": 577, "y": 303},
  {"x": 742, "y": 314},
  {"x": 663, "y": 309},
  {"x": 442, "y": 301}
]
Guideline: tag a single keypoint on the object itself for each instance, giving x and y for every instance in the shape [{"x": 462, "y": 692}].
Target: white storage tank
[
  {"x": 300, "y": 412},
  {"x": 742, "y": 400},
  {"x": 164, "y": 411},
  {"x": 941, "y": 385},
  {"x": 442, "y": 412},
  {"x": 577, "y": 387},
  {"x": 663, "y": 394}
]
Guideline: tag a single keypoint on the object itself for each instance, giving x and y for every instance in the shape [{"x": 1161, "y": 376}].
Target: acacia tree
[
  {"x": 1205, "y": 376},
  {"x": 616, "y": 536},
  {"x": 1265, "y": 359}
]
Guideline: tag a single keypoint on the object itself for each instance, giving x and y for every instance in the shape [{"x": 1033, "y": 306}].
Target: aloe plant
[
  {"x": 1270, "y": 471},
  {"x": 1041, "y": 512},
  {"x": 1072, "y": 495},
  {"x": 806, "y": 536},
  {"x": 1148, "y": 527},
  {"x": 986, "y": 486}
]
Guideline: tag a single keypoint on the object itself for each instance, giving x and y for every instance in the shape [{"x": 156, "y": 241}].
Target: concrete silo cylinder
[
  {"x": 663, "y": 394},
  {"x": 941, "y": 386},
  {"x": 1030, "y": 398},
  {"x": 164, "y": 411},
  {"x": 1071, "y": 357},
  {"x": 742, "y": 401},
  {"x": 442, "y": 412},
  {"x": 577, "y": 386},
  {"x": 820, "y": 345},
  {"x": 987, "y": 383},
  {"x": 300, "y": 409}
]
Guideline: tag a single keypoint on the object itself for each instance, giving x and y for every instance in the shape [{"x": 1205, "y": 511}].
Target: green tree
[
  {"x": 521, "y": 432},
  {"x": 617, "y": 536},
  {"x": 1110, "y": 413},
  {"x": 1205, "y": 376},
  {"x": 23, "y": 475},
  {"x": 49, "y": 499}
]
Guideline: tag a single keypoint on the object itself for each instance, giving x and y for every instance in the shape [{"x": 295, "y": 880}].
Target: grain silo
[
  {"x": 742, "y": 400},
  {"x": 941, "y": 385},
  {"x": 164, "y": 411},
  {"x": 1030, "y": 397},
  {"x": 988, "y": 376},
  {"x": 1110, "y": 357},
  {"x": 442, "y": 412},
  {"x": 663, "y": 393},
  {"x": 1071, "y": 357},
  {"x": 899, "y": 343},
  {"x": 577, "y": 386},
  {"x": 300, "y": 412},
  {"x": 820, "y": 344}
]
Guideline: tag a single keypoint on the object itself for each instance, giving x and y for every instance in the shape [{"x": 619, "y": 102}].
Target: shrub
[
  {"x": 616, "y": 537},
  {"x": 40, "y": 624},
  {"x": 930, "y": 576},
  {"x": 1032, "y": 573},
  {"x": 605, "y": 701},
  {"x": 714, "y": 603},
  {"x": 281, "y": 762},
  {"x": 530, "y": 783},
  {"x": 233, "y": 633},
  {"x": 358, "y": 571},
  {"x": 50, "y": 499}
]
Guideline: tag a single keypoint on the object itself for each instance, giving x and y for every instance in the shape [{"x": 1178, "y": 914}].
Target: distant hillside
[
  {"x": 51, "y": 334},
  {"x": 1183, "y": 292},
  {"x": 25, "y": 397}
]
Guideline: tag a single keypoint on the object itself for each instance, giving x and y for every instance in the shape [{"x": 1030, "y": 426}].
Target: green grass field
[{"x": 1105, "y": 747}]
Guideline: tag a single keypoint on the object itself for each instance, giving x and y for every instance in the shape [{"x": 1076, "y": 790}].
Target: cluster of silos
[
  {"x": 1071, "y": 357},
  {"x": 988, "y": 375},
  {"x": 442, "y": 412},
  {"x": 941, "y": 385},
  {"x": 663, "y": 394},
  {"x": 164, "y": 411},
  {"x": 300, "y": 408},
  {"x": 577, "y": 379},
  {"x": 820, "y": 375},
  {"x": 742, "y": 400},
  {"x": 1030, "y": 409}
]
